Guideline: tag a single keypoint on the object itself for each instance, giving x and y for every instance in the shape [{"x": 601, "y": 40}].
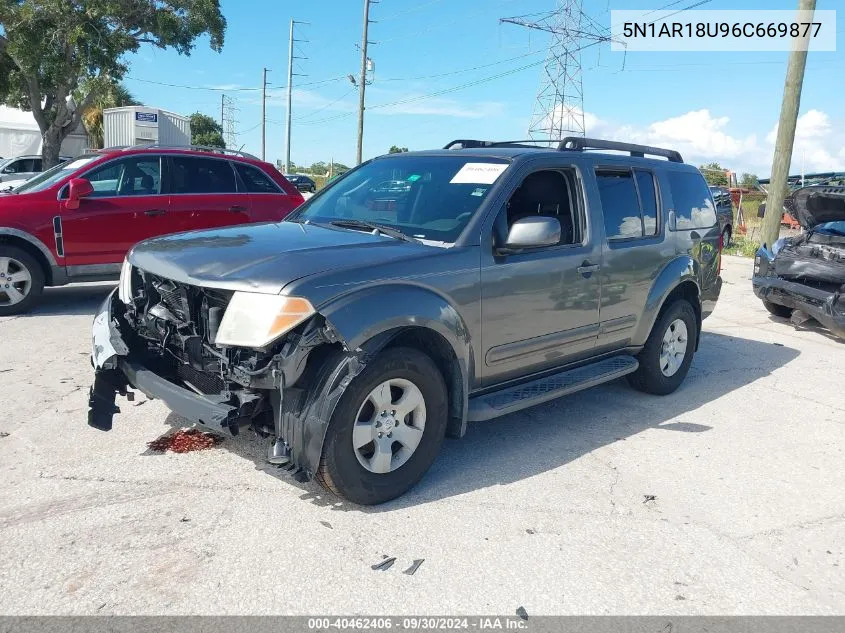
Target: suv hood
[
  {"x": 818, "y": 204},
  {"x": 264, "y": 257}
]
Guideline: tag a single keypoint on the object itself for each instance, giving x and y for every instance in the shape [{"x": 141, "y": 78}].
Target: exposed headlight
[
  {"x": 256, "y": 320},
  {"x": 124, "y": 288},
  {"x": 779, "y": 244}
]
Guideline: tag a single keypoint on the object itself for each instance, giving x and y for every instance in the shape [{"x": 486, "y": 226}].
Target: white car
[{"x": 21, "y": 168}]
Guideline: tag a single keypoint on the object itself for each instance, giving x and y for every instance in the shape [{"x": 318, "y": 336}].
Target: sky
[{"x": 448, "y": 69}]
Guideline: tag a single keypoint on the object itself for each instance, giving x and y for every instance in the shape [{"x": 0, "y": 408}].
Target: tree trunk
[{"x": 51, "y": 146}]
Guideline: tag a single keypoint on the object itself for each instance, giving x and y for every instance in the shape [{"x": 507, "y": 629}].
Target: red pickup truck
[{"x": 76, "y": 221}]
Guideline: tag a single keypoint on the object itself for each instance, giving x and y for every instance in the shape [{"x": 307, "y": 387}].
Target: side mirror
[
  {"x": 532, "y": 232},
  {"x": 78, "y": 188},
  {"x": 9, "y": 170}
]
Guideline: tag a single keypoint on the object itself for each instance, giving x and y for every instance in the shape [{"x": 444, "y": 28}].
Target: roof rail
[
  {"x": 470, "y": 143},
  {"x": 198, "y": 148},
  {"x": 580, "y": 143}
]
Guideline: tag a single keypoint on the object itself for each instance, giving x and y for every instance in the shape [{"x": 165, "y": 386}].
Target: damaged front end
[
  {"x": 161, "y": 337},
  {"x": 807, "y": 272}
]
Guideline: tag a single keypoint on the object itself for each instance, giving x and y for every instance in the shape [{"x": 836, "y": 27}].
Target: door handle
[
  {"x": 587, "y": 268},
  {"x": 152, "y": 212},
  {"x": 237, "y": 209}
]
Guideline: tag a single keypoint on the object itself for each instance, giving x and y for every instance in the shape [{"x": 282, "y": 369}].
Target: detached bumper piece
[{"x": 828, "y": 308}]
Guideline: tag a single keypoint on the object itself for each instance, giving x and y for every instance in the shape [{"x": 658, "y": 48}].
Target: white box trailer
[{"x": 139, "y": 125}]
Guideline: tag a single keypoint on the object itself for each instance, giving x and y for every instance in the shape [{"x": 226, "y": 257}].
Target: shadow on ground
[
  {"x": 545, "y": 437},
  {"x": 74, "y": 299}
]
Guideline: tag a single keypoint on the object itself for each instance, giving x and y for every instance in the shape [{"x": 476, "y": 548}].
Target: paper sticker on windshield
[{"x": 478, "y": 173}]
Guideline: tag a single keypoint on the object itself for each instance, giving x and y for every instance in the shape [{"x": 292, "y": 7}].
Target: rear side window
[
  {"x": 202, "y": 175},
  {"x": 693, "y": 206},
  {"x": 629, "y": 203},
  {"x": 255, "y": 180}
]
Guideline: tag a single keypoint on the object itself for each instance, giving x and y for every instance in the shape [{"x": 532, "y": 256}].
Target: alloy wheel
[
  {"x": 674, "y": 348},
  {"x": 389, "y": 426},
  {"x": 15, "y": 281}
]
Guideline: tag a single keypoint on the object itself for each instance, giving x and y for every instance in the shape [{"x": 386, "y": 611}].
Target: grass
[{"x": 743, "y": 246}]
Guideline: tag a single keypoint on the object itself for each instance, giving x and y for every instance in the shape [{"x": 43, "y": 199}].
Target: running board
[{"x": 498, "y": 403}]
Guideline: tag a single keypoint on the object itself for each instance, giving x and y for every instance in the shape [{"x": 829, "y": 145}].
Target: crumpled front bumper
[
  {"x": 828, "y": 308},
  {"x": 116, "y": 369}
]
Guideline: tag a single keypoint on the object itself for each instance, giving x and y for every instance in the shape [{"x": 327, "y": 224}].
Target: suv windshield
[
  {"x": 426, "y": 197},
  {"x": 48, "y": 178}
]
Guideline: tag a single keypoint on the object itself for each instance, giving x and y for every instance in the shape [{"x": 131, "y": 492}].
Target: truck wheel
[
  {"x": 726, "y": 237},
  {"x": 777, "y": 309},
  {"x": 666, "y": 357},
  {"x": 21, "y": 280},
  {"x": 386, "y": 429}
]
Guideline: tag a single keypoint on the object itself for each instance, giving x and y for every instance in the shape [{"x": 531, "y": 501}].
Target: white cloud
[{"x": 702, "y": 137}]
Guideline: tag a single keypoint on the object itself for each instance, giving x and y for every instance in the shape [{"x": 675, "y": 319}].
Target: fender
[
  {"x": 361, "y": 316},
  {"x": 364, "y": 322},
  {"x": 4, "y": 230},
  {"x": 682, "y": 268}
]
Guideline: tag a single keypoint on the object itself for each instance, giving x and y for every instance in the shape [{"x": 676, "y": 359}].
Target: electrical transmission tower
[
  {"x": 559, "y": 107},
  {"x": 227, "y": 119}
]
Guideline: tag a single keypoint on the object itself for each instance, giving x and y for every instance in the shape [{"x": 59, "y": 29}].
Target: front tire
[
  {"x": 667, "y": 354},
  {"x": 21, "y": 280},
  {"x": 777, "y": 309},
  {"x": 386, "y": 430}
]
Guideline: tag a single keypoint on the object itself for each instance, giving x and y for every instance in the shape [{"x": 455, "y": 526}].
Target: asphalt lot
[{"x": 544, "y": 509}]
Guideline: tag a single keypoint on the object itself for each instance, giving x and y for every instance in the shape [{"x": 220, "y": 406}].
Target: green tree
[
  {"x": 714, "y": 174},
  {"x": 319, "y": 167},
  {"x": 395, "y": 149},
  {"x": 47, "y": 47},
  {"x": 749, "y": 181},
  {"x": 106, "y": 94},
  {"x": 206, "y": 131}
]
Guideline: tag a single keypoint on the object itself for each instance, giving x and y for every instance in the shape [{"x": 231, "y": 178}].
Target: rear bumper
[
  {"x": 115, "y": 370},
  {"x": 828, "y": 308}
]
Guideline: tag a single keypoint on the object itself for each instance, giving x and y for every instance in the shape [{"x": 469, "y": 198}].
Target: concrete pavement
[{"x": 547, "y": 509}]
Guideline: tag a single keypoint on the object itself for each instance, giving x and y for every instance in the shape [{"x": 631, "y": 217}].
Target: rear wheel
[
  {"x": 726, "y": 237},
  {"x": 667, "y": 354},
  {"x": 777, "y": 309},
  {"x": 21, "y": 280},
  {"x": 386, "y": 429}
]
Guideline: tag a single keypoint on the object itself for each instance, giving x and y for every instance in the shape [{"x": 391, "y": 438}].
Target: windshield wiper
[{"x": 385, "y": 230}]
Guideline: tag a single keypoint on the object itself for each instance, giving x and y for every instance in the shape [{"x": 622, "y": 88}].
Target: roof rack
[
  {"x": 197, "y": 148},
  {"x": 574, "y": 143},
  {"x": 580, "y": 143},
  {"x": 471, "y": 143}
]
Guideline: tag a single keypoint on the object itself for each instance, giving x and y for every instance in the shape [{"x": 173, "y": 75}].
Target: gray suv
[{"x": 371, "y": 322}]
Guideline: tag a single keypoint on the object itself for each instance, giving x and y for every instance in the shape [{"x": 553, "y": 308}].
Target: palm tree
[{"x": 108, "y": 94}]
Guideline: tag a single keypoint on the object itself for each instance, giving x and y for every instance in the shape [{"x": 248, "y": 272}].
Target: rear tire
[
  {"x": 21, "y": 280},
  {"x": 349, "y": 468},
  {"x": 777, "y": 309},
  {"x": 726, "y": 237},
  {"x": 664, "y": 365}
]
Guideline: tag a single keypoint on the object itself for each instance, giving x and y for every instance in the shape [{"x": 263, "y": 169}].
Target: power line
[
  {"x": 463, "y": 70},
  {"x": 233, "y": 88},
  {"x": 325, "y": 107}
]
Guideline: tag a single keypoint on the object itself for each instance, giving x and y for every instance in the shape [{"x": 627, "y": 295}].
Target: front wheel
[
  {"x": 386, "y": 429},
  {"x": 667, "y": 354},
  {"x": 21, "y": 280},
  {"x": 777, "y": 309}
]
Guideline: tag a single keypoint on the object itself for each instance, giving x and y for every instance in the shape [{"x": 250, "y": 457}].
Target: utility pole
[
  {"x": 291, "y": 75},
  {"x": 770, "y": 231},
  {"x": 290, "y": 81},
  {"x": 363, "y": 80},
  {"x": 264, "y": 115}
]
